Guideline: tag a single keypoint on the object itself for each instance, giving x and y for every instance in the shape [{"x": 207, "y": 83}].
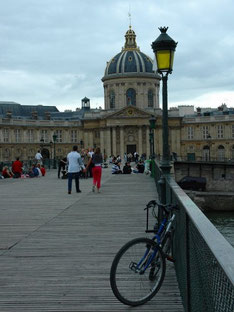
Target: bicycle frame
[{"x": 141, "y": 265}]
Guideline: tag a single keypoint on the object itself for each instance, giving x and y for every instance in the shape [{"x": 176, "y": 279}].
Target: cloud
[{"x": 55, "y": 52}]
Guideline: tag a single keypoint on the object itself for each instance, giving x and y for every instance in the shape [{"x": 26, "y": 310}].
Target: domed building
[{"x": 129, "y": 78}]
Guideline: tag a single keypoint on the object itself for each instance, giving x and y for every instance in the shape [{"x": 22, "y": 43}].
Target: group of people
[
  {"x": 127, "y": 169},
  {"x": 76, "y": 167},
  {"x": 78, "y": 164},
  {"x": 18, "y": 170},
  {"x": 135, "y": 157}
]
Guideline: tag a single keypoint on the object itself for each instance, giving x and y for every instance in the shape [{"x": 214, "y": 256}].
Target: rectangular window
[
  {"x": 59, "y": 136},
  {"x": 73, "y": 136},
  {"x": 220, "y": 131},
  {"x": 44, "y": 136},
  {"x": 30, "y": 136},
  {"x": 232, "y": 131},
  {"x": 190, "y": 133},
  {"x": 205, "y": 132},
  {"x": 17, "y": 133},
  {"x": 6, "y": 134}
]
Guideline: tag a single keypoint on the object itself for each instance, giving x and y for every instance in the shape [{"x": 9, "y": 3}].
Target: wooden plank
[{"x": 57, "y": 249}]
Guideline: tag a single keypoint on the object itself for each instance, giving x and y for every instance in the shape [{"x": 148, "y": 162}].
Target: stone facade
[{"x": 131, "y": 95}]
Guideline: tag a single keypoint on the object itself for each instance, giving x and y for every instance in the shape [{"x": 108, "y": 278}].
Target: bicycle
[{"x": 139, "y": 267}]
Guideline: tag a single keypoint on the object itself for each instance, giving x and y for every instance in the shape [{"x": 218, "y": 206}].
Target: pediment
[{"x": 129, "y": 112}]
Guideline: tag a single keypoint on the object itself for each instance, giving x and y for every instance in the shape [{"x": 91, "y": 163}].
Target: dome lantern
[{"x": 130, "y": 40}]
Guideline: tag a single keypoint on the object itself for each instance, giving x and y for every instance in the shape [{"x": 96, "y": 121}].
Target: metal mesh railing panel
[
  {"x": 179, "y": 253},
  {"x": 203, "y": 282},
  {"x": 211, "y": 291}
]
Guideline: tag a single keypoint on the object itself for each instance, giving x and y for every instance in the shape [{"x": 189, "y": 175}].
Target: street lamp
[
  {"x": 54, "y": 140},
  {"x": 152, "y": 122},
  {"x": 164, "y": 48}
]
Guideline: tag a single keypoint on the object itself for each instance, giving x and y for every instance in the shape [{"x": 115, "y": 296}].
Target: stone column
[
  {"x": 147, "y": 143},
  {"x": 140, "y": 151},
  {"x": 102, "y": 143},
  {"x": 90, "y": 139},
  {"x": 86, "y": 141},
  {"x": 108, "y": 142},
  {"x": 114, "y": 141},
  {"x": 122, "y": 142}
]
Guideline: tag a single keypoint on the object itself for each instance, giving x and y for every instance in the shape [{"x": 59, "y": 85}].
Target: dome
[{"x": 130, "y": 60}]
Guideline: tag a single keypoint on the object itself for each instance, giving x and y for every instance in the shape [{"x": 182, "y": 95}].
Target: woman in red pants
[{"x": 97, "y": 161}]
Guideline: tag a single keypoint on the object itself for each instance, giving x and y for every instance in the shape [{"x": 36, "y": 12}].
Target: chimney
[
  {"x": 47, "y": 116},
  {"x": 9, "y": 114},
  {"x": 34, "y": 115},
  {"x": 199, "y": 111}
]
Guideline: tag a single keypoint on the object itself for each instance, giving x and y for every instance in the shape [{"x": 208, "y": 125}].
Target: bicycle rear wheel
[{"x": 130, "y": 282}]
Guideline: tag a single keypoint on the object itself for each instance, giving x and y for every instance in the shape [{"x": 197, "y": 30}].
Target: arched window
[
  {"x": 150, "y": 98},
  {"x": 206, "y": 153},
  {"x": 6, "y": 154},
  {"x": 131, "y": 97},
  {"x": 18, "y": 153},
  {"x": 221, "y": 153},
  {"x": 232, "y": 153},
  {"x": 112, "y": 99}
]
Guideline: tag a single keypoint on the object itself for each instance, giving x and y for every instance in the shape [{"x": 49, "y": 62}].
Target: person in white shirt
[
  {"x": 38, "y": 157},
  {"x": 75, "y": 165}
]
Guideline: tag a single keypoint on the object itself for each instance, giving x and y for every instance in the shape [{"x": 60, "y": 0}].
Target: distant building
[{"x": 131, "y": 97}]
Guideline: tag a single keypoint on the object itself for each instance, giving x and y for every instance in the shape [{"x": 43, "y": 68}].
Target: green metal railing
[{"x": 204, "y": 259}]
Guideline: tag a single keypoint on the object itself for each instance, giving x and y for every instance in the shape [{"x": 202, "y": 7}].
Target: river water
[{"x": 224, "y": 222}]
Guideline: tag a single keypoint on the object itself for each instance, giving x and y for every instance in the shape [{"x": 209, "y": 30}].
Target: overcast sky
[{"x": 54, "y": 52}]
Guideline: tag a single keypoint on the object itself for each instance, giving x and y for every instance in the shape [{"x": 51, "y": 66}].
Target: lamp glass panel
[
  {"x": 172, "y": 59},
  {"x": 163, "y": 59}
]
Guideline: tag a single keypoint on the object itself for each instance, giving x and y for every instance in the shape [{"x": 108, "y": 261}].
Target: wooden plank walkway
[{"x": 56, "y": 249}]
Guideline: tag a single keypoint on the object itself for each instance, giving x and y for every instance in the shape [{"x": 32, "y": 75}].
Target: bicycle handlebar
[{"x": 167, "y": 207}]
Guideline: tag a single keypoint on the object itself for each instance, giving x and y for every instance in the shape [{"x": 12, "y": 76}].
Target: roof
[{"x": 130, "y": 60}]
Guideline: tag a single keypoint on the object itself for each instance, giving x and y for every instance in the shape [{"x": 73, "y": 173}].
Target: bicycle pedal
[{"x": 170, "y": 259}]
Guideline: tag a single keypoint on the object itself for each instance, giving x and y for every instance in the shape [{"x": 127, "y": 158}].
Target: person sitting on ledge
[
  {"x": 140, "y": 167},
  {"x": 34, "y": 172},
  {"x": 17, "y": 168},
  {"x": 43, "y": 171},
  {"x": 116, "y": 168},
  {"x": 6, "y": 173},
  {"x": 127, "y": 168}
]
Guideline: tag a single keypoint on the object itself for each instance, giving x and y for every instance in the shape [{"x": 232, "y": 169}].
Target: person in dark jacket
[
  {"x": 140, "y": 167},
  {"x": 62, "y": 166},
  {"x": 127, "y": 168}
]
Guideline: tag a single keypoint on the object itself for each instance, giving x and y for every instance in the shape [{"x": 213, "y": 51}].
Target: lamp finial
[{"x": 163, "y": 29}]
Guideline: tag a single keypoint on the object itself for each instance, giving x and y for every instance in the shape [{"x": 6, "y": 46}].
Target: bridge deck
[{"x": 56, "y": 249}]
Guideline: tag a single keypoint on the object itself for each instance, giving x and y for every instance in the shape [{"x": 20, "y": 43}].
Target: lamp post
[
  {"x": 50, "y": 158},
  {"x": 54, "y": 140},
  {"x": 164, "y": 48},
  {"x": 152, "y": 122}
]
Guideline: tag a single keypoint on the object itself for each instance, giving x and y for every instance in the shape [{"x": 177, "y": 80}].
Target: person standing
[
  {"x": 75, "y": 165},
  {"x": 38, "y": 158},
  {"x": 97, "y": 161},
  {"x": 62, "y": 165},
  {"x": 90, "y": 154},
  {"x": 17, "y": 168}
]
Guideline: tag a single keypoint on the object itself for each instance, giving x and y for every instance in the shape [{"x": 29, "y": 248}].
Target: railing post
[{"x": 188, "y": 277}]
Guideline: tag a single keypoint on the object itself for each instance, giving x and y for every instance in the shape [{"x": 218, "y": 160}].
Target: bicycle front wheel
[{"x": 137, "y": 271}]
